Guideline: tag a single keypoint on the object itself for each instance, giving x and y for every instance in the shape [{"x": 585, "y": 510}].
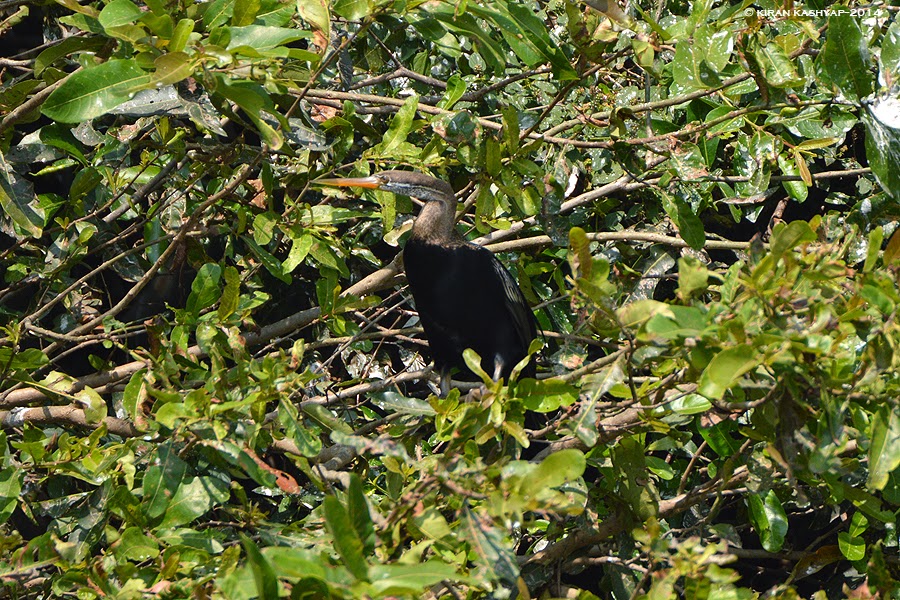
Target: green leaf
[
  {"x": 261, "y": 37},
  {"x": 92, "y": 403},
  {"x": 892, "y": 250},
  {"x": 23, "y": 360},
  {"x": 853, "y": 548},
  {"x": 306, "y": 441},
  {"x": 346, "y": 539},
  {"x": 217, "y": 13},
  {"x": 876, "y": 236},
  {"x": 244, "y": 13},
  {"x": 118, "y": 13},
  {"x": 580, "y": 260},
  {"x": 690, "y": 404},
  {"x": 845, "y": 56},
  {"x": 686, "y": 69},
  {"x": 534, "y": 31},
  {"x": 134, "y": 545},
  {"x": 93, "y": 92},
  {"x": 294, "y": 562},
  {"x": 858, "y": 524},
  {"x": 796, "y": 189},
  {"x": 316, "y": 13},
  {"x": 883, "y": 143},
  {"x": 768, "y": 519},
  {"x": 238, "y": 457},
  {"x": 633, "y": 484},
  {"x": 526, "y": 35},
  {"x": 639, "y": 312},
  {"x": 399, "y": 128},
  {"x": 884, "y": 449},
  {"x": 400, "y": 580},
  {"x": 546, "y": 395},
  {"x": 493, "y": 556},
  {"x": 272, "y": 264},
  {"x": 456, "y": 87},
  {"x": 204, "y": 288},
  {"x": 263, "y": 573},
  {"x": 60, "y": 136},
  {"x": 160, "y": 479},
  {"x": 489, "y": 48},
  {"x": 301, "y": 243},
  {"x": 228, "y": 303},
  {"x": 777, "y": 67},
  {"x": 358, "y": 511},
  {"x": 352, "y": 10},
  {"x": 181, "y": 35},
  {"x": 10, "y": 488},
  {"x": 66, "y": 47},
  {"x": 786, "y": 237},
  {"x": 890, "y": 50},
  {"x": 19, "y": 203},
  {"x": 693, "y": 277},
  {"x": 394, "y": 402},
  {"x": 253, "y": 100},
  {"x": 557, "y": 469},
  {"x": 135, "y": 394},
  {"x": 511, "y": 130},
  {"x": 172, "y": 68},
  {"x": 194, "y": 498},
  {"x": 725, "y": 369},
  {"x": 473, "y": 361},
  {"x": 690, "y": 227}
]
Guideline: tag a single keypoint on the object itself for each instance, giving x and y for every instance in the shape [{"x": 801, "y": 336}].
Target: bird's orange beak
[{"x": 371, "y": 182}]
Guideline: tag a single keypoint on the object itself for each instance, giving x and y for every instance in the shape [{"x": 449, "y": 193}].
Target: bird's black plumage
[{"x": 465, "y": 296}]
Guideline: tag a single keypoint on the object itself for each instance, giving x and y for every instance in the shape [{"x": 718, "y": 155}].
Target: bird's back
[{"x": 467, "y": 299}]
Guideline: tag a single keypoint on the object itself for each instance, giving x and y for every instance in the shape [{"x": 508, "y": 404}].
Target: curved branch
[{"x": 64, "y": 415}]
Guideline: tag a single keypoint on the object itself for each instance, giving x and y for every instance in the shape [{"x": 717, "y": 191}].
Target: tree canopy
[{"x": 213, "y": 381}]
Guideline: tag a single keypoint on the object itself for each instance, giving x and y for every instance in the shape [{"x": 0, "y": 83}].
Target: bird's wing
[{"x": 518, "y": 306}]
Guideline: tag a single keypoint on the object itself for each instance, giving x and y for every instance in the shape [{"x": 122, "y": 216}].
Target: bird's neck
[{"x": 435, "y": 223}]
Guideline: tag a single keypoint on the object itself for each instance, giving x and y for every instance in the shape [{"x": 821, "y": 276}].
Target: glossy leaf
[
  {"x": 92, "y": 92},
  {"x": 193, "y": 498},
  {"x": 118, "y": 13},
  {"x": 346, "y": 539},
  {"x": 263, "y": 572},
  {"x": 10, "y": 487},
  {"x": 845, "y": 57},
  {"x": 769, "y": 520},
  {"x": 725, "y": 369},
  {"x": 352, "y": 10},
  {"x": 134, "y": 545},
  {"x": 884, "y": 450}
]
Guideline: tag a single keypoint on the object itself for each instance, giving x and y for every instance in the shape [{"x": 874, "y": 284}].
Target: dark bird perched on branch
[{"x": 465, "y": 297}]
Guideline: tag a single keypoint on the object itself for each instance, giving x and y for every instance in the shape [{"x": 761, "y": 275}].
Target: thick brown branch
[{"x": 63, "y": 415}]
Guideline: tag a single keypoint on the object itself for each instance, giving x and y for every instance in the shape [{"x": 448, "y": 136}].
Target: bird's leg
[
  {"x": 498, "y": 368},
  {"x": 444, "y": 377}
]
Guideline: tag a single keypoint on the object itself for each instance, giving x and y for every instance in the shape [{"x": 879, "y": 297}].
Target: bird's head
[{"x": 406, "y": 183}]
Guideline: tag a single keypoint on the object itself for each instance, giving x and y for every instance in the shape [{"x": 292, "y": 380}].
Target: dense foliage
[{"x": 213, "y": 383}]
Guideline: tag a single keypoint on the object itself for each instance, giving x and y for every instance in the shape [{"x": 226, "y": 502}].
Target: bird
[{"x": 464, "y": 295}]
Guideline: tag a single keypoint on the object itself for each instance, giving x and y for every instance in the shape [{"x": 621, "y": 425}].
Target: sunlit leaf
[
  {"x": 92, "y": 92},
  {"x": 725, "y": 369},
  {"x": 769, "y": 519},
  {"x": 346, "y": 539},
  {"x": 845, "y": 56}
]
